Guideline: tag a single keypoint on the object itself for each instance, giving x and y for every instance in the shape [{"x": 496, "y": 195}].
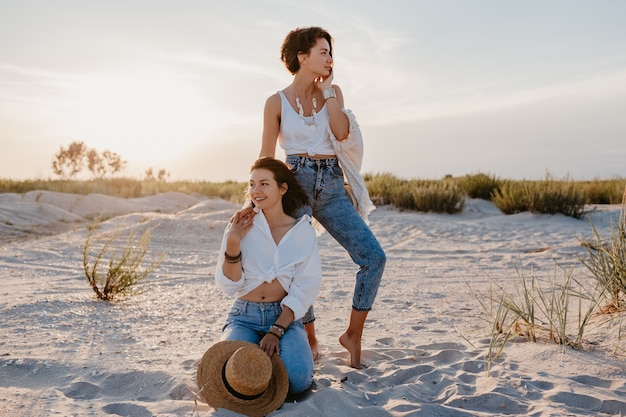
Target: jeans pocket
[
  {"x": 294, "y": 168},
  {"x": 235, "y": 310},
  {"x": 336, "y": 171}
]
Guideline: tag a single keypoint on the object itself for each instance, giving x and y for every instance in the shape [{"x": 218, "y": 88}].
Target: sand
[{"x": 65, "y": 353}]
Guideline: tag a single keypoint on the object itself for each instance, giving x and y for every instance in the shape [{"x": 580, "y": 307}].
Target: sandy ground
[{"x": 62, "y": 352}]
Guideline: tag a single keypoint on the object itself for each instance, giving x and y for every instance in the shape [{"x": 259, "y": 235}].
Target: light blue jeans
[
  {"x": 250, "y": 321},
  {"x": 323, "y": 181}
]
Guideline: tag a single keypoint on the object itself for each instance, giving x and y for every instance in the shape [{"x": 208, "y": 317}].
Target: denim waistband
[
  {"x": 244, "y": 304},
  {"x": 295, "y": 160}
]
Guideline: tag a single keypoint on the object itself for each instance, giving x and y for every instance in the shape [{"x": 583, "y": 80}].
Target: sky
[{"x": 513, "y": 89}]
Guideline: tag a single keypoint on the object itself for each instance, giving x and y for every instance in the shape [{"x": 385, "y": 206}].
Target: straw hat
[{"x": 241, "y": 377}]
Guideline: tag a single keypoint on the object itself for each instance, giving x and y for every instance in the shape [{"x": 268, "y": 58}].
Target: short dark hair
[
  {"x": 301, "y": 40},
  {"x": 295, "y": 197}
]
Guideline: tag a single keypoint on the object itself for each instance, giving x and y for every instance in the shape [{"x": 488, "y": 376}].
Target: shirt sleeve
[{"x": 307, "y": 280}]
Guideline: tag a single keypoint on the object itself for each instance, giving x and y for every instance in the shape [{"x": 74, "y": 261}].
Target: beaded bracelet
[
  {"x": 232, "y": 259},
  {"x": 273, "y": 334},
  {"x": 280, "y": 329}
]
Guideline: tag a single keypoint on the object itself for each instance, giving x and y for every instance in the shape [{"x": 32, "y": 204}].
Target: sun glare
[{"x": 144, "y": 118}]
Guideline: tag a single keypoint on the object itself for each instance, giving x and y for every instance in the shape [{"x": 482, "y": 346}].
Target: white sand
[{"x": 65, "y": 353}]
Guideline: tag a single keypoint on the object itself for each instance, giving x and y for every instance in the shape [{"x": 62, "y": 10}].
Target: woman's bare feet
[
  {"x": 310, "y": 332},
  {"x": 351, "y": 339},
  {"x": 353, "y": 346}
]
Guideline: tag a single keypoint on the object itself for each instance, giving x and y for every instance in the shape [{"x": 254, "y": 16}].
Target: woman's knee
[
  {"x": 375, "y": 258},
  {"x": 300, "y": 382}
]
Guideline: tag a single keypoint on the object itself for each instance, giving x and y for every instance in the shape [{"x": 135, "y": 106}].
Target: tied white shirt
[{"x": 294, "y": 261}]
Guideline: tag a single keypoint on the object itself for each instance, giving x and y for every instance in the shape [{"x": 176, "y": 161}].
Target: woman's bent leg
[{"x": 296, "y": 355}]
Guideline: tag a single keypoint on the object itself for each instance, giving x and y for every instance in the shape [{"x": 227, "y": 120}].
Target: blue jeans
[
  {"x": 250, "y": 321},
  {"x": 323, "y": 181}
]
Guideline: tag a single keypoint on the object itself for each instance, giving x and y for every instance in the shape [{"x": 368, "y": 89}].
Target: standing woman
[{"x": 322, "y": 141}]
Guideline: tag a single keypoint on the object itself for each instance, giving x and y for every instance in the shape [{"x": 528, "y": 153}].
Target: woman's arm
[
  {"x": 339, "y": 123},
  {"x": 229, "y": 264},
  {"x": 271, "y": 342},
  {"x": 271, "y": 126}
]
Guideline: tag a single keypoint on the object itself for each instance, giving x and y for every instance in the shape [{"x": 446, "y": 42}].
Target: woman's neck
[
  {"x": 276, "y": 217},
  {"x": 303, "y": 86}
]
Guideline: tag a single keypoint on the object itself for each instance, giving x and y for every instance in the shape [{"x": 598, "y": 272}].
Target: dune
[{"x": 63, "y": 352}]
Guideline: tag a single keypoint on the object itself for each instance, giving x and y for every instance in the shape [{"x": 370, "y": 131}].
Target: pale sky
[{"x": 515, "y": 89}]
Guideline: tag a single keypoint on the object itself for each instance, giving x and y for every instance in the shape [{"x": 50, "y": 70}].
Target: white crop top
[{"x": 309, "y": 136}]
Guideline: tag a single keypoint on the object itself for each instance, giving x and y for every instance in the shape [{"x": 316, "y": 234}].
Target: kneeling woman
[{"x": 270, "y": 262}]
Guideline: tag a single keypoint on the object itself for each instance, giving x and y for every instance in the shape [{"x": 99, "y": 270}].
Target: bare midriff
[
  {"x": 316, "y": 156},
  {"x": 266, "y": 293}
]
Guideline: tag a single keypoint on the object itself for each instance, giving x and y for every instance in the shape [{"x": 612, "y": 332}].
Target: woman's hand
[
  {"x": 270, "y": 344},
  {"x": 324, "y": 82},
  {"x": 240, "y": 224}
]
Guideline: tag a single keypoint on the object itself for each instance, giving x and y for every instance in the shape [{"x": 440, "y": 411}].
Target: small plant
[
  {"x": 539, "y": 311},
  {"x": 501, "y": 328},
  {"x": 114, "y": 273},
  {"x": 607, "y": 261}
]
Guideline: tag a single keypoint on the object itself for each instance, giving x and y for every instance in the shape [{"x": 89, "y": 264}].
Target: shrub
[
  {"x": 480, "y": 185},
  {"x": 428, "y": 196},
  {"x": 551, "y": 196},
  {"x": 382, "y": 186},
  {"x": 604, "y": 191},
  {"x": 116, "y": 273},
  {"x": 548, "y": 196},
  {"x": 510, "y": 198}
]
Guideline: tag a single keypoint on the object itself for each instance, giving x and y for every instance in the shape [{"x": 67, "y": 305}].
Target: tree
[
  {"x": 71, "y": 161},
  {"x": 102, "y": 164},
  {"x": 160, "y": 177}
]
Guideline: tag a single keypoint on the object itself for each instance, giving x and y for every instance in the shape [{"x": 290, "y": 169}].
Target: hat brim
[{"x": 214, "y": 391}]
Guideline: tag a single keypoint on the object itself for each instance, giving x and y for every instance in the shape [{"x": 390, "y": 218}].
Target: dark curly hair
[
  {"x": 301, "y": 40},
  {"x": 295, "y": 197}
]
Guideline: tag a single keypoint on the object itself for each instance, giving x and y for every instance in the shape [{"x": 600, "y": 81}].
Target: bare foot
[
  {"x": 352, "y": 344},
  {"x": 310, "y": 333},
  {"x": 314, "y": 349}
]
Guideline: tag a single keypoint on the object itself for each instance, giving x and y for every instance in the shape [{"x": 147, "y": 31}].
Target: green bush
[
  {"x": 548, "y": 196},
  {"x": 381, "y": 186},
  {"x": 480, "y": 185},
  {"x": 510, "y": 198},
  {"x": 604, "y": 191},
  {"x": 112, "y": 272},
  {"x": 436, "y": 197}
]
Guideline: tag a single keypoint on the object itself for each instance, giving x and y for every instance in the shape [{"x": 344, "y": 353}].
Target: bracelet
[
  {"x": 232, "y": 259},
  {"x": 273, "y": 334},
  {"x": 280, "y": 329},
  {"x": 329, "y": 93}
]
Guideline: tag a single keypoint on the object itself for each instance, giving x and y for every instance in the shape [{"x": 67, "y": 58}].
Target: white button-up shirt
[{"x": 295, "y": 262}]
